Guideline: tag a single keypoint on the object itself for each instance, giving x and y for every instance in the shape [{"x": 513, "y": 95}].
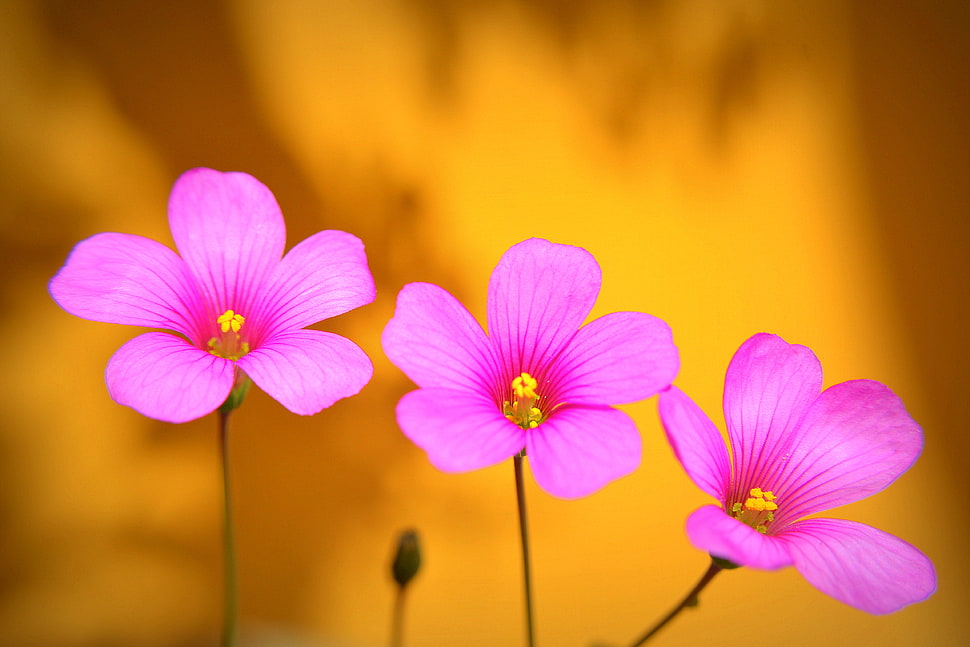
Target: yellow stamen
[
  {"x": 758, "y": 509},
  {"x": 755, "y": 504},
  {"x": 230, "y": 319},
  {"x": 525, "y": 386},
  {"x": 230, "y": 343},
  {"x": 521, "y": 408}
]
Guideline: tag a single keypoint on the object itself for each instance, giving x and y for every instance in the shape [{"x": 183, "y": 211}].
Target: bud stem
[{"x": 397, "y": 623}]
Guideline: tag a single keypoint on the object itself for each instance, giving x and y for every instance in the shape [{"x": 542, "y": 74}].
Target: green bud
[{"x": 407, "y": 558}]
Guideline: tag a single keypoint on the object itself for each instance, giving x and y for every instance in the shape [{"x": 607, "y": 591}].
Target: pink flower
[
  {"x": 798, "y": 451},
  {"x": 237, "y": 306},
  {"x": 537, "y": 380}
]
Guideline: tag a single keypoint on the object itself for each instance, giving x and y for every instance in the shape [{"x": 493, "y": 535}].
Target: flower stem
[
  {"x": 228, "y": 545},
  {"x": 524, "y": 534},
  {"x": 689, "y": 600},
  {"x": 397, "y": 622}
]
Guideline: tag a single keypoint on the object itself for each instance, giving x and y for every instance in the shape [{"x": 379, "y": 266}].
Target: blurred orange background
[{"x": 735, "y": 167}]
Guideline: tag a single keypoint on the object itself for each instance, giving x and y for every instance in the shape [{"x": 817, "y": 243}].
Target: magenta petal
[
  {"x": 539, "y": 295},
  {"x": 164, "y": 377},
  {"x": 859, "y": 565},
  {"x": 769, "y": 386},
  {"x": 620, "y": 357},
  {"x": 229, "y": 229},
  {"x": 579, "y": 450},
  {"x": 324, "y": 276},
  {"x": 856, "y": 439},
  {"x": 127, "y": 279},
  {"x": 460, "y": 430},
  {"x": 308, "y": 370},
  {"x": 436, "y": 341},
  {"x": 696, "y": 442},
  {"x": 712, "y": 530}
]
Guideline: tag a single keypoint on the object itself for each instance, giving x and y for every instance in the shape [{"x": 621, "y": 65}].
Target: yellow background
[{"x": 735, "y": 167}]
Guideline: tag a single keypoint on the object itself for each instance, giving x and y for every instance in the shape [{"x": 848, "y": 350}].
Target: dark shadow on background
[{"x": 913, "y": 79}]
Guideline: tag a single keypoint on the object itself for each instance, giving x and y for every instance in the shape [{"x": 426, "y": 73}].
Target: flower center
[
  {"x": 758, "y": 510},
  {"x": 521, "y": 407},
  {"x": 229, "y": 343}
]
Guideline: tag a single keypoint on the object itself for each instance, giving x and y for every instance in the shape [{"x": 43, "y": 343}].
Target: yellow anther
[
  {"x": 755, "y": 504},
  {"x": 231, "y": 320},
  {"x": 525, "y": 386},
  {"x": 230, "y": 344},
  {"x": 761, "y": 500},
  {"x": 521, "y": 408},
  {"x": 758, "y": 510}
]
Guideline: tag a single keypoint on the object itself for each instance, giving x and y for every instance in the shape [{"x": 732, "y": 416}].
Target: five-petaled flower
[
  {"x": 537, "y": 380},
  {"x": 797, "y": 451},
  {"x": 237, "y": 305}
]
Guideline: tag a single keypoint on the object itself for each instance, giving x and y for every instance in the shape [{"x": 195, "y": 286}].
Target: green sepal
[
  {"x": 723, "y": 563},
  {"x": 236, "y": 396}
]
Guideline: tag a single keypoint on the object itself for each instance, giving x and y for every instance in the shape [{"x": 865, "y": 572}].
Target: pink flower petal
[
  {"x": 229, "y": 229},
  {"x": 578, "y": 450},
  {"x": 127, "y": 279},
  {"x": 711, "y": 529},
  {"x": 769, "y": 386},
  {"x": 324, "y": 276},
  {"x": 460, "y": 430},
  {"x": 620, "y": 357},
  {"x": 859, "y": 565},
  {"x": 856, "y": 439},
  {"x": 308, "y": 370},
  {"x": 164, "y": 377},
  {"x": 436, "y": 342},
  {"x": 539, "y": 295},
  {"x": 696, "y": 442}
]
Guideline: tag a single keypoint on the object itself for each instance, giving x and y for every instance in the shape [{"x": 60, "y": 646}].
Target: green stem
[
  {"x": 228, "y": 545},
  {"x": 689, "y": 600},
  {"x": 524, "y": 534},
  {"x": 397, "y": 622}
]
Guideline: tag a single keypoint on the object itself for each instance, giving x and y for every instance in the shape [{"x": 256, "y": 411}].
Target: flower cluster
[{"x": 539, "y": 381}]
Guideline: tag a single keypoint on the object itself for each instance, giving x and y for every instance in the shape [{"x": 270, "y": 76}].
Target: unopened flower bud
[{"x": 407, "y": 558}]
